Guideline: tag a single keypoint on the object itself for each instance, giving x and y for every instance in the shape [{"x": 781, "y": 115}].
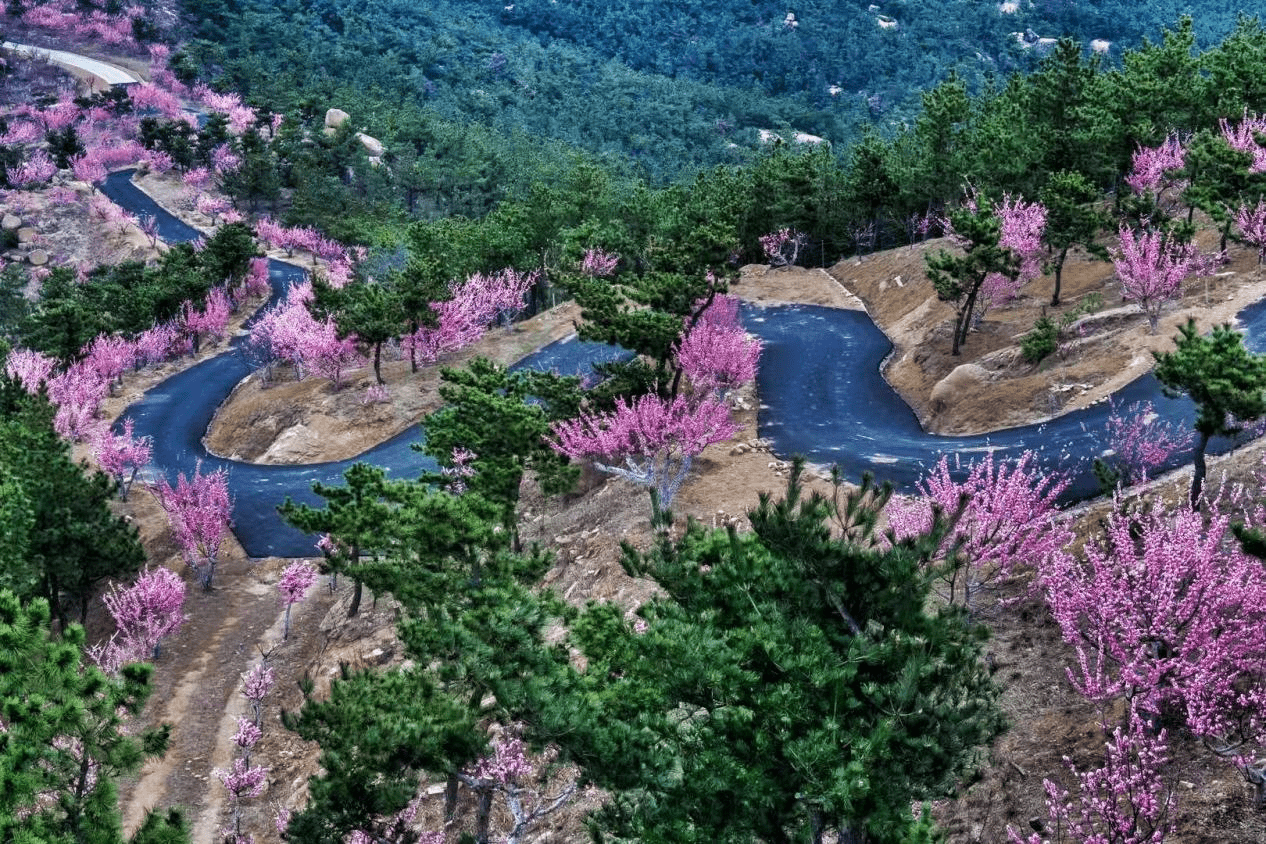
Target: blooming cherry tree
[
  {"x": 1009, "y": 521},
  {"x": 718, "y": 357},
  {"x": 1252, "y": 225},
  {"x": 296, "y": 580},
  {"x": 651, "y": 441},
  {"x": 200, "y": 512},
  {"x": 782, "y": 247},
  {"x": 256, "y": 684},
  {"x": 121, "y": 455},
  {"x": 1151, "y": 269},
  {"x": 1143, "y": 441},
  {"x": 30, "y": 368}
]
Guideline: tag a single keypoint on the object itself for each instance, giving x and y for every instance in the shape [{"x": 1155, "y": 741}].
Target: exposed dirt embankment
[{"x": 992, "y": 387}]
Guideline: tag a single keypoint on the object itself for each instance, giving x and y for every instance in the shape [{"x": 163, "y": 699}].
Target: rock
[
  {"x": 952, "y": 387},
  {"x": 372, "y": 146},
  {"x": 27, "y": 234},
  {"x": 335, "y": 118},
  {"x": 11, "y": 222},
  {"x": 37, "y": 257}
]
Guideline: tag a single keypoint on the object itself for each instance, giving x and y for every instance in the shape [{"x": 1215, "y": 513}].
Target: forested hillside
[{"x": 669, "y": 86}]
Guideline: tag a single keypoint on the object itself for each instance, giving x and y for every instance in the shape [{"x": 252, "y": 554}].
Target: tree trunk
[
  {"x": 1197, "y": 477},
  {"x": 450, "y": 797},
  {"x": 378, "y": 363},
  {"x": 357, "y": 589},
  {"x": 483, "y": 815},
  {"x": 1059, "y": 273}
]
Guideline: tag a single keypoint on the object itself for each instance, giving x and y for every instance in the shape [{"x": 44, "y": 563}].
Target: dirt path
[{"x": 197, "y": 689}]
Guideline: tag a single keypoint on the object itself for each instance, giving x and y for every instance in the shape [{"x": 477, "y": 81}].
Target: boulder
[
  {"x": 373, "y": 146},
  {"x": 11, "y": 222},
  {"x": 335, "y": 118},
  {"x": 37, "y": 257},
  {"x": 27, "y": 234},
  {"x": 953, "y": 386}
]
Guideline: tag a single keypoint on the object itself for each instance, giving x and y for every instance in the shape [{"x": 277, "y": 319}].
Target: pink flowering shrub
[
  {"x": 200, "y": 512},
  {"x": 651, "y": 441},
  {"x": 1151, "y": 268},
  {"x": 121, "y": 455},
  {"x": 1124, "y": 802},
  {"x": 1009, "y": 521}
]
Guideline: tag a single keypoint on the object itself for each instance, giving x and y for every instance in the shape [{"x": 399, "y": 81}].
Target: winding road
[{"x": 820, "y": 384}]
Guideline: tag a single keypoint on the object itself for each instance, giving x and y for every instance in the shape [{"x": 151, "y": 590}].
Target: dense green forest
[{"x": 668, "y": 87}]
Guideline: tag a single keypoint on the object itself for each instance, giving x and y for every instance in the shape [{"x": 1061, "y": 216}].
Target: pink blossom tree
[
  {"x": 599, "y": 264},
  {"x": 1170, "y": 615},
  {"x": 716, "y": 357},
  {"x": 1124, "y": 802},
  {"x": 30, "y": 368},
  {"x": 1153, "y": 169},
  {"x": 1243, "y": 137},
  {"x": 121, "y": 455},
  {"x": 36, "y": 170},
  {"x": 1022, "y": 227},
  {"x": 242, "y": 782},
  {"x": 76, "y": 392},
  {"x": 651, "y": 441},
  {"x": 782, "y": 248},
  {"x": 1009, "y": 521},
  {"x": 200, "y": 512},
  {"x": 149, "y": 610},
  {"x": 211, "y": 320},
  {"x": 110, "y": 355},
  {"x": 510, "y": 771},
  {"x": 475, "y": 304},
  {"x": 256, "y": 684},
  {"x": 296, "y": 580},
  {"x": 1142, "y": 441},
  {"x": 1151, "y": 268},
  {"x": 247, "y": 736},
  {"x": 1252, "y": 225}
]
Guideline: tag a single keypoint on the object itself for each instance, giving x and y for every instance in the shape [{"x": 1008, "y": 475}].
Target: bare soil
[{"x": 197, "y": 676}]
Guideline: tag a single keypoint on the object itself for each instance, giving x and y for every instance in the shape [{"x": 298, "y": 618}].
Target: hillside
[{"x": 773, "y": 662}]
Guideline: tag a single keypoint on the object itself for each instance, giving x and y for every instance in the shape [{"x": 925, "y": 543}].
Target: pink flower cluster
[
  {"x": 1252, "y": 226},
  {"x": 475, "y": 304},
  {"x": 1153, "y": 169},
  {"x": 296, "y": 580},
  {"x": 291, "y": 334},
  {"x": 651, "y": 441},
  {"x": 717, "y": 355},
  {"x": 149, "y": 610},
  {"x": 1143, "y": 441},
  {"x": 200, "y": 512},
  {"x": 1243, "y": 136},
  {"x": 1151, "y": 268},
  {"x": 782, "y": 247},
  {"x": 299, "y": 237},
  {"x": 599, "y": 264},
  {"x": 121, "y": 455},
  {"x": 36, "y": 170},
  {"x": 1009, "y": 521},
  {"x": 1124, "y": 802},
  {"x": 1169, "y": 613}
]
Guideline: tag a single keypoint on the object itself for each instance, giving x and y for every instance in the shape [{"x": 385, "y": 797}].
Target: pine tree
[
  {"x": 784, "y": 684},
  {"x": 63, "y": 735},
  {"x": 1225, "y": 380}
]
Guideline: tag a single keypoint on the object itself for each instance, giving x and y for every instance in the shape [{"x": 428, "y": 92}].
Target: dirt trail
[{"x": 197, "y": 690}]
